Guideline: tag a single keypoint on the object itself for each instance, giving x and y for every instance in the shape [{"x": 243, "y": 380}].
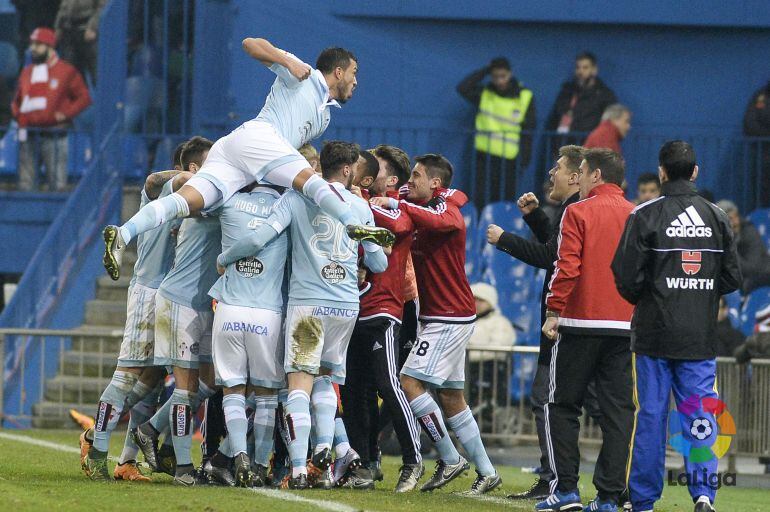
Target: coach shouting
[
  {"x": 590, "y": 323},
  {"x": 676, "y": 257}
]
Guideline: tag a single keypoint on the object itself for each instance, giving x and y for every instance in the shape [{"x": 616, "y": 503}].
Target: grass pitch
[{"x": 34, "y": 477}]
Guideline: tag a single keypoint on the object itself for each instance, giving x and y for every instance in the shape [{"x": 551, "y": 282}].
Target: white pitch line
[
  {"x": 490, "y": 499},
  {"x": 332, "y": 506}
]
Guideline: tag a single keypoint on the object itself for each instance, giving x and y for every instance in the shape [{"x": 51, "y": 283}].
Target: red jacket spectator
[
  {"x": 606, "y": 135},
  {"x": 47, "y": 89}
]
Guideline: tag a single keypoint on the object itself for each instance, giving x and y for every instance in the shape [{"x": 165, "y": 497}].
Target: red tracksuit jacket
[
  {"x": 63, "y": 91},
  {"x": 582, "y": 289}
]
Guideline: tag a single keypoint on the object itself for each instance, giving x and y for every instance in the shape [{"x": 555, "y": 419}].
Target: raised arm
[
  {"x": 248, "y": 246},
  {"x": 153, "y": 185},
  {"x": 263, "y": 51}
]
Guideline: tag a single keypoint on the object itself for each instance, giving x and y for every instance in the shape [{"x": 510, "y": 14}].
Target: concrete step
[
  {"x": 107, "y": 345},
  {"x": 72, "y": 389},
  {"x": 47, "y": 414},
  {"x": 106, "y": 313},
  {"x": 88, "y": 364},
  {"x": 131, "y": 199},
  {"x": 107, "y": 289}
]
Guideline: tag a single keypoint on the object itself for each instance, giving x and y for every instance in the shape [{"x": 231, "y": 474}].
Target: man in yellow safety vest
[{"x": 504, "y": 122}]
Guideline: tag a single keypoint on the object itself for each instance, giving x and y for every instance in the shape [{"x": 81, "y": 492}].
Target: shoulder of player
[{"x": 658, "y": 202}]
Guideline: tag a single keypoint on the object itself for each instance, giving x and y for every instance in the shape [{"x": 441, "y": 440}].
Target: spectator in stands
[
  {"x": 77, "y": 25},
  {"x": 756, "y": 123},
  {"x": 505, "y": 109},
  {"x": 33, "y": 14},
  {"x": 752, "y": 253},
  {"x": 311, "y": 155},
  {"x": 582, "y": 100},
  {"x": 728, "y": 337},
  {"x": 50, "y": 93},
  {"x": 616, "y": 122},
  {"x": 647, "y": 187},
  {"x": 757, "y": 345}
]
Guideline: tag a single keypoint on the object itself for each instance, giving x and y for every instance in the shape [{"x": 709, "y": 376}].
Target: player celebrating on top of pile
[{"x": 264, "y": 149}]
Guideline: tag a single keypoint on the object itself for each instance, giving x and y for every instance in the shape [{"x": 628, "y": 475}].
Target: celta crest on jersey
[{"x": 688, "y": 224}]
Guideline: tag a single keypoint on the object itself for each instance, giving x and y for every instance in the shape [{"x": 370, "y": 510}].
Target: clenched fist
[
  {"x": 527, "y": 203},
  {"x": 299, "y": 69},
  {"x": 493, "y": 234}
]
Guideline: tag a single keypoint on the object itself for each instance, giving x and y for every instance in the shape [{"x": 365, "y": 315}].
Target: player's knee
[
  {"x": 262, "y": 391},
  {"x": 235, "y": 390},
  {"x": 411, "y": 386},
  {"x": 452, "y": 401},
  {"x": 193, "y": 197}
]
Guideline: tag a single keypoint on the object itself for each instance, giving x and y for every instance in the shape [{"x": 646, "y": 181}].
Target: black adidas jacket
[{"x": 676, "y": 257}]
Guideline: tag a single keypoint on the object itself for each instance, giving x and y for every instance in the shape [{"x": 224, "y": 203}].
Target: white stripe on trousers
[
  {"x": 551, "y": 394},
  {"x": 411, "y": 421}
]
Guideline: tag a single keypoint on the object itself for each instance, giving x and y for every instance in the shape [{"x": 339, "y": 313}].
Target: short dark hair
[
  {"x": 335, "y": 155},
  {"x": 193, "y": 151},
  {"x": 574, "y": 156},
  {"x": 648, "y": 177},
  {"x": 372, "y": 166},
  {"x": 611, "y": 163},
  {"x": 500, "y": 63},
  {"x": 677, "y": 157},
  {"x": 396, "y": 162},
  {"x": 438, "y": 167},
  {"x": 178, "y": 154},
  {"x": 332, "y": 58},
  {"x": 586, "y": 55}
]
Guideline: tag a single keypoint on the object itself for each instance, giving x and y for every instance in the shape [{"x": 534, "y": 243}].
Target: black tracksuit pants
[
  {"x": 576, "y": 360},
  {"x": 372, "y": 367}
]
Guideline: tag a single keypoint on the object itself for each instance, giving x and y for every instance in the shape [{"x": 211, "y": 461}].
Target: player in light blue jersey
[
  {"x": 264, "y": 149},
  {"x": 322, "y": 306},
  {"x": 247, "y": 339},
  {"x": 183, "y": 341},
  {"x": 134, "y": 382}
]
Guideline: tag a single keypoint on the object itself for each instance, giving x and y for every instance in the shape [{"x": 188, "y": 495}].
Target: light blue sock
[
  {"x": 428, "y": 414},
  {"x": 153, "y": 214},
  {"x": 341, "y": 441},
  {"x": 324, "y": 401},
  {"x": 234, "y": 406},
  {"x": 140, "y": 413},
  {"x": 180, "y": 420},
  {"x": 159, "y": 420},
  {"x": 322, "y": 193},
  {"x": 467, "y": 431},
  {"x": 264, "y": 425},
  {"x": 225, "y": 448},
  {"x": 298, "y": 423},
  {"x": 137, "y": 394},
  {"x": 110, "y": 406}
]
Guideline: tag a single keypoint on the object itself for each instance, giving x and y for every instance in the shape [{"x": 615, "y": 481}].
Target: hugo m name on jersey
[
  {"x": 688, "y": 224},
  {"x": 263, "y": 210}
]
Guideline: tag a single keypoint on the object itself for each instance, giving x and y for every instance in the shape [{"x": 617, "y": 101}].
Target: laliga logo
[{"x": 702, "y": 417}]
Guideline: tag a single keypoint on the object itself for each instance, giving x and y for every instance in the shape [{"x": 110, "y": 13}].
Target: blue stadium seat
[
  {"x": 134, "y": 157},
  {"x": 502, "y": 271},
  {"x": 164, "y": 153},
  {"x": 9, "y": 61},
  {"x": 734, "y": 301},
  {"x": 472, "y": 255},
  {"x": 755, "y": 301},
  {"x": 506, "y": 215},
  {"x": 79, "y": 153},
  {"x": 524, "y": 368},
  {"x": 9, "y": 153},
  {"x": 761, "y": 219},
  {"x": 525, "y": 317}
]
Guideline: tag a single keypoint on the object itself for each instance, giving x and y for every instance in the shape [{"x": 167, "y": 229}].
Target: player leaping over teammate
[{"x": 264, "y": 149}]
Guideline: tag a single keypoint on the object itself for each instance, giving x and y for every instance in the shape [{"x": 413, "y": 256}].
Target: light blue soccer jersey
[
  {"x": 298, "y": 110},
  {"x": 254, "y": 281},
  {"x": 155, "y": 248},
  {"x": 195, "y": 266},
  {"x": 324, "y": 260}
]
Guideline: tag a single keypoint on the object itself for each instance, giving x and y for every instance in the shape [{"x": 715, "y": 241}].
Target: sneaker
[
  {"x": 379, "y": 236},
  {"x": 360, "y": 479},
  {"x": 96, "y": 466},
  {"x": 325, "y": 481},
  {"x": 540, "y": 490},
  {"x": 148, "y": 443},
  {"x": 445, "y": 473},
  {"x": 114, "y": 247},
  {"x": 598, "y": 505},
  {"x": 484, "y": 484},
  {"x": 86, "y": 442},
  {"x": 343, "y": 466},
  {"x": 167, "y": 460},
  {"x": 84, "y": 421},
  {"x": 219, "y": 474},
  {"x": 409, "y": 476},
  {"x": 129, "y": 472},
  {"x": 279, "y": 473},
  {"x": 299, "y": 483},
  {"x": 560, "y": 502},
  {"x": 704, "y": 505},
  {"x": 318, "y": 465},
  {"x": 243, "y": 476},
  {"x": 625, "y": 500},
  {"x": 375, "y": 467},
  {"x": 259, "y": 476}
]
